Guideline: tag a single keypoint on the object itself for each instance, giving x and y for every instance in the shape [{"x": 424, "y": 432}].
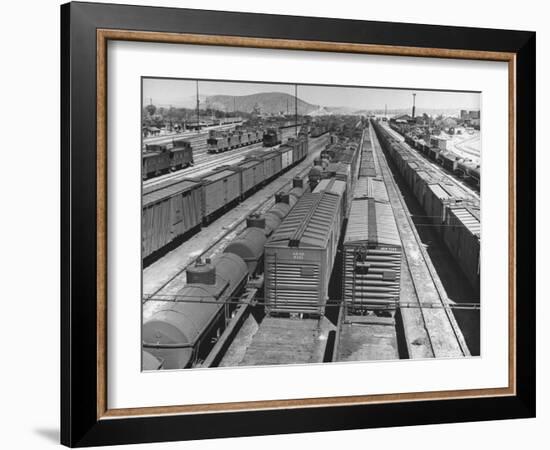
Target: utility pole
[
  {"x": 386, "y": 110},
  {"x": 198, "y": 104},
  {"x": 414, "y": 104}
]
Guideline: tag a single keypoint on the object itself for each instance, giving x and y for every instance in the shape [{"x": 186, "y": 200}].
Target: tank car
[{"x": 179, "y": 333}]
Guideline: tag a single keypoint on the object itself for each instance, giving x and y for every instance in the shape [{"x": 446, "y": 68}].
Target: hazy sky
[{"x": 165, "y": 92}]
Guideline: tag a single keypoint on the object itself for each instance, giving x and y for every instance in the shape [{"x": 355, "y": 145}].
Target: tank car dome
[
  {"x": 201, "y": 273},
  {"x": 255, "y": 221},
  {"x": 249, "y": 245}
]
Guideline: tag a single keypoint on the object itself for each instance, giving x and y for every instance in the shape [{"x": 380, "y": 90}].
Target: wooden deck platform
[
  {"x": 288, "y": 341},
  {"x": 366, "y": 338}
]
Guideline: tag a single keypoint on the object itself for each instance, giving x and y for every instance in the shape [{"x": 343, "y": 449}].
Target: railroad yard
[{"x": 331, "y": 239}]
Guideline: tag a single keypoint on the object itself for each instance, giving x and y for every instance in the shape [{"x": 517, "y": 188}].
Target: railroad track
[
  {"x": 227, "y": 235},
  {"x": 436, "y": 167},
  {"x": 439, "y": 323}
]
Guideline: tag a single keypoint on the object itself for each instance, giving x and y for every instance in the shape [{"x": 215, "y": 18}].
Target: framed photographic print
[{"x": 277, "y": 224}]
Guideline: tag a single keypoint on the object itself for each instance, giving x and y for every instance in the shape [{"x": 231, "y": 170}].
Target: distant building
[
  {"x": 403, "y": 118},
  {"x": 474, "y": 114},
  {"x": 464, "y": 115}
]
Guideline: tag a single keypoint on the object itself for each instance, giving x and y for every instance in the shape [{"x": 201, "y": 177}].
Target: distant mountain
[{"x": 267, "y": 102}]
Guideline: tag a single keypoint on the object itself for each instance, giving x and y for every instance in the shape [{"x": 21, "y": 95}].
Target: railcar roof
[
  {"x": 365, "y": 225},
  {"x": 168, "y": 191},
  {"x": 308, "y": 225}
]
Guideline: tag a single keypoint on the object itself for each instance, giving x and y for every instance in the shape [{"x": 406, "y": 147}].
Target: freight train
[
  {"x": 300, "y": 255},
  {"x": 177, "y": 208},
  {"x": 160, "y": 159},
  {"x": 372, "y": 249},
  {"x": 454, "y": 212},
  {"x": 222, "y": 141},
  {"x": 459, "y": 166},
  {"x": 180, "y": 333}
]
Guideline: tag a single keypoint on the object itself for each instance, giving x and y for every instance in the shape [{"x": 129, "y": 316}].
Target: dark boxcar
[
  {"x": 219, "y": 189},
  {"x": 155, "y": 163},
  {"x": 462, "y": 236},
  {"x": 300, "y": 254},
  {"x": 181, "y": 157},
  {"x": 272, "y": 137},
  {"x": 372, "y": 259},
  {"x": 169, "y": 213}
]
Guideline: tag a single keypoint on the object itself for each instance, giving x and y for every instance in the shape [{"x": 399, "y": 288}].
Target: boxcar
[
  {"x": 286, "y": 152},
  {"x": 252, "y": 174},
  {"x": 438, "y": 197},
  {"x": 169, "y": 213},
  {"x": 421, "y": 181},
  {"x": 272, "y": 164},
  {"x": 462, "y": 237},
  {"x": 299, "y": 256},
  {"x": 372, "y": 259},
  {"x": 220, "y": 188},
  {"x": 336, "y": 187}
]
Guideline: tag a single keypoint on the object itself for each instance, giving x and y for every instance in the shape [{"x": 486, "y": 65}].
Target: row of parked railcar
[
  {"x": 161, "y": 159},
  {"x": 177, "y": 208},
  {"x": 222, "y": 141},
  {"x": 179, "y": 334},
  {"x": 300, "y": 255},
  {"x": 452, "y": 211},
  {"x": 463, "y": 168},
  {"x": 372, "y": 250}
]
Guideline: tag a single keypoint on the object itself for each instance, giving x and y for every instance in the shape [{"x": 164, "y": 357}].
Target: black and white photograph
[{"x": 307, "y": 224}]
